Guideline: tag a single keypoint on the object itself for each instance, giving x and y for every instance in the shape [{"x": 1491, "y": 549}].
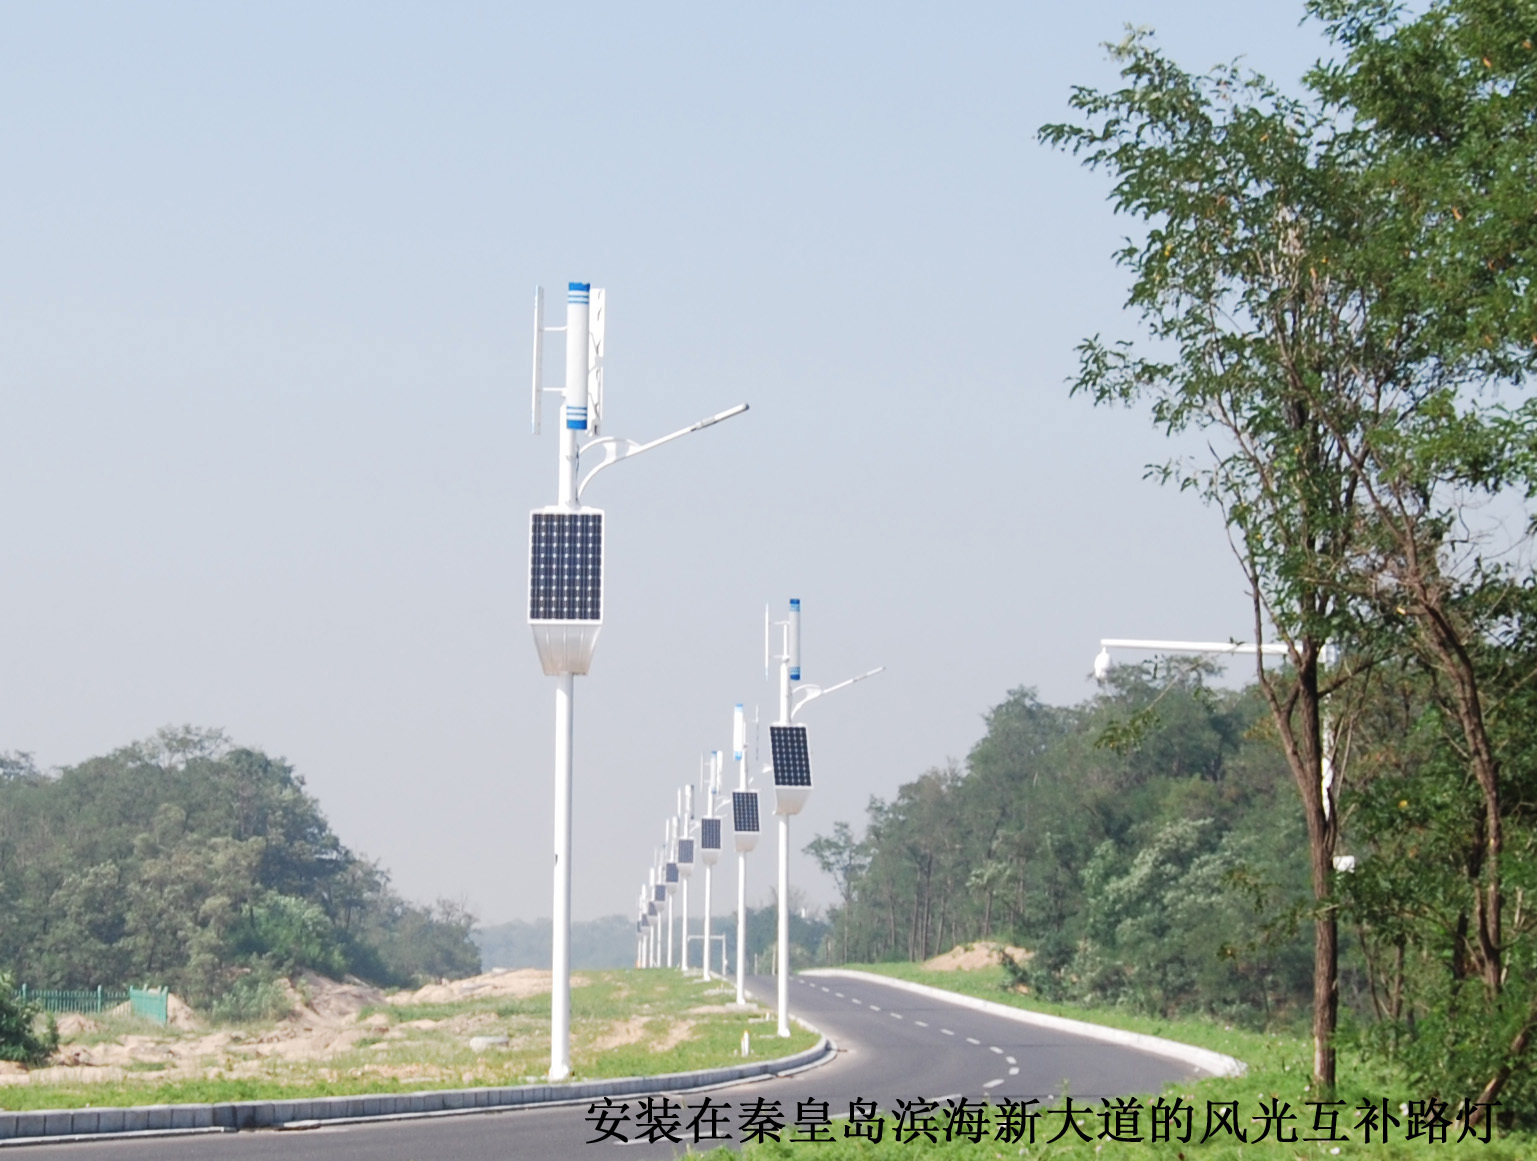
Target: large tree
[
  {"x": 1248, "y": 196},
  {"x": 1332, "y": 285}
]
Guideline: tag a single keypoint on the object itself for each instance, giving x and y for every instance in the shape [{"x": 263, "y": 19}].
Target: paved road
[{"x": 893, "y": 1046}]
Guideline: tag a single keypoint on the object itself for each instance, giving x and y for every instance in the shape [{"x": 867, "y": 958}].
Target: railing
[{"x": 148, "y": 1003}]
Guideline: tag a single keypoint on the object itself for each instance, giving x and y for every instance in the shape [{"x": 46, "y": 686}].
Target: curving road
[{"x": 893, "y": 1046}]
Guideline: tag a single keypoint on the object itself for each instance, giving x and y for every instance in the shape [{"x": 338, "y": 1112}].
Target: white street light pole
[
  {"x": 711, "y": 789},
  {"x": 566, "y": 589},
  {"x": 789, "y": 801},
  {"x": 739, "y": 746}
]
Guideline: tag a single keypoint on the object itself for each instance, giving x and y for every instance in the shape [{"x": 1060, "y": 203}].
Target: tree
[{"x": 845, "y": 858}]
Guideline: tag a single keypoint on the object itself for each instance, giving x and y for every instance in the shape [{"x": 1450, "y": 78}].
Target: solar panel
[
  {"x": 744, "y": 811},
  {"x": 672, "y": 872},
  {"x": 565, "y": 566},
  {"x": 659, "y": 895},
  {"x": 792, "y": 759},
  {"x": 685, "y": 850},
  {"x": 709, "y": 834}
]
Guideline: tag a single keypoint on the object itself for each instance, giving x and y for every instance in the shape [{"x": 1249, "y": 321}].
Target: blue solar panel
[
  {"x": 709, "y": 834},
  {"x": 672, "y": 872},
  {"x": 565, "y": 566},
  {"x": 685, "y": 850},
  {"x": 792, "y": 757},
  {"x": 744, "y": 811},
  {"x": 659, "y": 894}
]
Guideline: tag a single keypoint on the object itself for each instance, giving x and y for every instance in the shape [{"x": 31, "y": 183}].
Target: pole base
[{"x": 559, "y": 1072}]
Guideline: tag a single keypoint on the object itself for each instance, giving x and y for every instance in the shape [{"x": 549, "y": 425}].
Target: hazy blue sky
[{"x": 265, "y": 283}]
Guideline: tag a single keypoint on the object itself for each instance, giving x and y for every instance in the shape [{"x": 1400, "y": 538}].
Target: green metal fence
[{"x": 150, "y": 1003}]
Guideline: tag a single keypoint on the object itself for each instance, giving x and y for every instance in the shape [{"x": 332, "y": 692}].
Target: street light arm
[
  {"x": 615, "y": 449},
  {"x": 812, "y": 692}
]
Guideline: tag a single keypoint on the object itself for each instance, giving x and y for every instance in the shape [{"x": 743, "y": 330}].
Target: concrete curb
[
  {"x": 165, "y": 1120},
  {"x": 1212, "y": 1063}
]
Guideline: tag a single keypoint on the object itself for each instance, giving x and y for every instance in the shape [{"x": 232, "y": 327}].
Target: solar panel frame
[
  {"x": 709, "y": 834},
  {"x": 791, "y": 755},
  {"x": 565, "y": 566},
  {"x": 685, "y": 850},
  {"x": 744, "y": 812}
]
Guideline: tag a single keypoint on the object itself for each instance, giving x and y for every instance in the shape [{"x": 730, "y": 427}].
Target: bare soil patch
[{"x": 971, "y": 957}]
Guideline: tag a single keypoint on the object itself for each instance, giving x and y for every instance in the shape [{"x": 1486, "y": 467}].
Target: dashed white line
[
  {"x": 947, "y": 1032},
  {"x": 993, "y": 1083},
  {"x": 895, "y": 1015},
  {"x": 857, "y": 1001},
  {"x": 1013, "y": 1072},
  {"x": 838, "y": 994},
  {"x": 1011, "y": 1060},
  {"x": 921, "y": 1023},
  {"x": 995, "y": 1048},
  {"x": 972, "y": 1040},
  {"x": 875, "y": 1007}
]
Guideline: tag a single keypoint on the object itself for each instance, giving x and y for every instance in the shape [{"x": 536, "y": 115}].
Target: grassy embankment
[
  {"x": 623, "y": 1023},
  {"x": 1279, "y": 1070}
]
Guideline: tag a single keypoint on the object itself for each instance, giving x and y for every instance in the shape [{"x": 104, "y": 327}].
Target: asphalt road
[{"x": 893, "y": 1046}]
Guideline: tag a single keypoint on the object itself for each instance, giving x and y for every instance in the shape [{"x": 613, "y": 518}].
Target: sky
[{"x": 266, "y": 283}]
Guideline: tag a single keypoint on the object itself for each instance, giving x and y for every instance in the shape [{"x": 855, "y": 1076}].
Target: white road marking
[
  {"x": 947, "y": 1032},
  {"x": 875, "y": 1007},
  {"x": 1011, "y": 1060},
  {"x": 856, "y": 1001},
  {"x": 921, "y": 1023},
  {"x": 895, "y": 1015},
  {"x": 993, "y": 1083},
  {"x": 1013, "y": 1072},
  {"x": 995, "y": 1048},
  {"x": 972, "y": 1040},
  {"x": 838, "y": 994}
]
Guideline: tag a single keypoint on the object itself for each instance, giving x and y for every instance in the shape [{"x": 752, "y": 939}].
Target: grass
[
  {"x": 1279, "y": 1072},
  {"x": 623, "y": 1023}
]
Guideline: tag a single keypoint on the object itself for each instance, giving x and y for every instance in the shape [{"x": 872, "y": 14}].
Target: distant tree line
[
  {"x": 1141, "y": 846},
  {"x": 190, "y": 862}
]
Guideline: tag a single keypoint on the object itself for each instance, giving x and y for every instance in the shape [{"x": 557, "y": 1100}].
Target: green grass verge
[
  {"x": 1279, "y": 1071},
  {"x": 623, "y": 1023}
]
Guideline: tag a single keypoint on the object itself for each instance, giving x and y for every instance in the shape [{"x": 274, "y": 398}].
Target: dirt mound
[
  {"x": 498, "y": 982},
  {"x": 332, "y": 1002},
  {"x": 178, "y": 1014},
  {"x": 970, "y": 957}
]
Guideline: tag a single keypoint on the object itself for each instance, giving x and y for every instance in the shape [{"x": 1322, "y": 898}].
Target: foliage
[
  {"x": 187, "y": 861},
  {"x": 20, "y": 1039},
  {"x": 1160, "y": 876}
]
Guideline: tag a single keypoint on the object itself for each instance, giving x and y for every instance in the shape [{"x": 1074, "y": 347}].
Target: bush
[
  {"x": 20, "y": 1040},
  {"x": 258, "y": 995}
]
